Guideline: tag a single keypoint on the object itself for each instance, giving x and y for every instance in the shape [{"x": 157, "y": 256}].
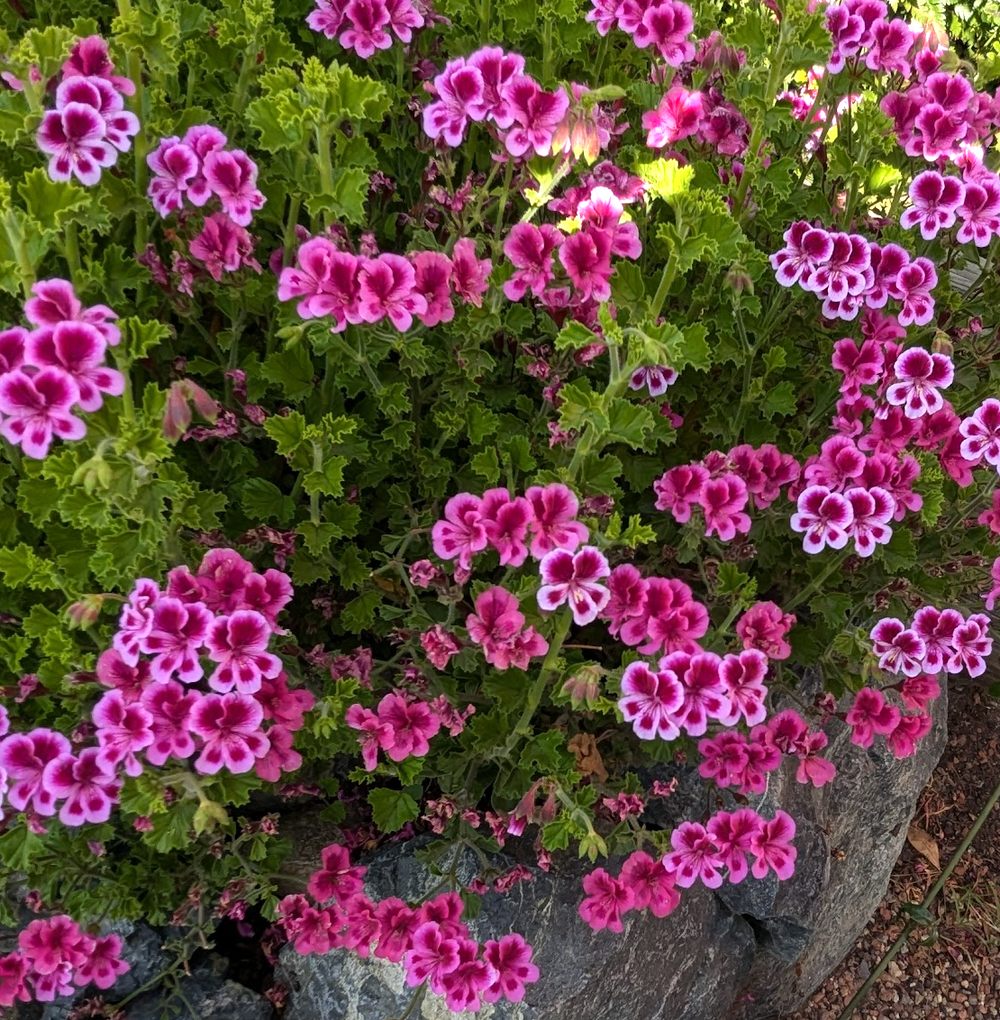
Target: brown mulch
[{"x": 957, "y": 977}]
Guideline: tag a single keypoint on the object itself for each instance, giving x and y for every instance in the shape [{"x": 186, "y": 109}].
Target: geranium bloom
[
  {"x": 743, "y": 678},
  {"x": 36, "y": 408},
  {"x": 909, "y": 731},
  {"x": 439, "y": 645},
  {"x": 387, "y": 287},
  {"x": 55, "y": 301},
  {"x": 530, "y": 249},
  {"x": 656, "y": 378},
  {"x": 651, "y": 884},
  {"x": 872, "y": 510},
  {"x": 628, "y": 596},
  {"x": 463, "y": 531},
  {"x": 679, "y": 489},
  {"x": 89, "y": 58},
  {"x": 572, "y": 577},
  {"x": 890, "y": 48},
  {"x": 230, "y": 727},
  {"x": 78, "y": 349},
  {"x": 119, "y": 124},
  {"x": 670, "y": 620},
  {"x": 667, "y": 25},
  {"x": 431, "y": 279},
  {"x": 75, "y": 139},
  {"x": 693, "y": 856},
  {"x": 972, "y": 646},
  {"x": 606, "y": 900},
  {"x": 725, "y": 758},
  {"x": 723, "y": 500},
  {"x": 430, "y": 956},
  {"x": 136, "y": 620},
  {"x": 238, "y": 643},
  {"x": 913, "y": 287},
  {"x": 732, "y": 833},
  {"x": 103, "y": 964},
  {"x": 920, "y": 373},
  {"x": 24, "y": 757},
  {"x": 397, "y": 924},
  {"x": 898, "y": 648},
  {"x": 705, "y": 695},
  {"x": 327, "y": 281},
  {"x": 49, "y": 943},
  {"x": 838, "y": 465},
  {"x": 980, "y": 213},
  {"x": 586, "y": 257},
  {"x": 174, "y": 164},
  {"x": 203, "y": 139},
  {"x": 764, "y": 626},
  {"x": 468, "y": 273},
  {"x": 678, "y": 116},
  {"x": 507, "y": 521},
  {"x": 917, "y": 692},
  {"x": 374, "y": 733},
  {"x": 650, "y": 701},
  {"x": 176, "y": 634},
  {"x": 553, "y": 527},
  {"x": 169, "y": 706},
  {"x": 13, "y": 979},
  {"x": 806, "y": 248},
  {"x": 935, "y": 201},
  {"x": 461, "y": 97},
  {"x": 122, "y": 729},
  {"x": 936, "y": 628},
  {"x": 366, "y": 22},
  {"x": 980, "y": 434},
  {"x": 510, "y": 958},
  {"x": 337, "y": 879},
  {"x": 403, "y": 18},
  {"x": 860, "y": 367},
  {"x": 412, "y": 724},
  {"x": 465, "y": 984},
  {"x": 824, "y": 518},
  {"x": 870, "y": 714},
  {"x": 88, "y": 790},
  {"x": 771, "y": 848},
  {"x": 232, "y": 177},
  {"x": 536, "y": 114}
]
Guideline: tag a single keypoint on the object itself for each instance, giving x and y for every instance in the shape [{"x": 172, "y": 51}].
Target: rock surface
[{"x": 746, "y": 952}]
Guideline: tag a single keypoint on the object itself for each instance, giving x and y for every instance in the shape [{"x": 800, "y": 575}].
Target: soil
[{"x": 957, "y": 975}]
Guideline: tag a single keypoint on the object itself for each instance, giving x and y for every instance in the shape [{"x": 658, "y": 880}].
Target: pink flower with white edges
[
  {"x": 723, "y": 500},
  {"x": 555, "y": 506},
  {"x": 238, "y": 643},
  {"x": 845, "y": 273},
  {"x": 920, "y": 374},
  {"x": 24, "y": 757},
  {"x": 972, "y": 645},
  {"x": 656, "y": 378},
  {"x": 462, "y": 533},
  {"x": 507, "y": 521},
  {"x": 806, "y": 248},
  {"x": 742, "y": 677},
  {"x": 412, "y": 725},
  {"x": 979, "y": 212},
  {"x": 174, "y": 165},
  {"x": 771, "y": 847},
  {"x": 606, "y": 900},
  {"x": 980, "y": 434},
  {"x": 232, "y": 177},
  {"x": 177, "y": 634},
  {"x": 498, "y": 69},
  {"x": 604, "y": 15},
  {"x": 75, "y": 139},
  {"x": 913, "y": 287},
  {"x": 529, "y": 249},
  {"x": 936, "y": 628},
  {"x": 890, "y": 48},
  {"x": 403, "y": 18},
  {"x": 732, "y": 833},
  {"x": 387, "y": 287},
  {"x": 678, "y": 116},
  {"x": 679, "y": 489},
  {"x": 694, "y": 856},
  {"x": 705, "y": 694},
  {"x": 461, "y": 97},
  {"x": 119, "y": 124},
  {"x": 603, "y": 210},
  {"x": 169, "y": 706},
  {"x": 136, "y": 620},
  {"x": 35, "y": 409},
  {"x": 870, "y": 714},
  {"x": 650, "y": 699},
  {"x": 366, "y": 22},
  {"x": 230, "y": 728},
  {"x": 824, "y": 518},
  {"x": 536, "y": 114},
  {"x": 13, "y": 343},
  {"x": 899, "y": 649},
  {"x": 572, "y": 577},
  {"x": 78, "y": 349},
  {"x": 872, "y": 510},
  {"x": 510, "y": 958},
  {"x": 122, "y": 729},
  {"x": 934, "y": 203},
  {"x": 203, "y": 139},
  {"x": 55, "y": 301},
  {"x": 87, "y": 789},
  {"x": 666, "y": 26}
]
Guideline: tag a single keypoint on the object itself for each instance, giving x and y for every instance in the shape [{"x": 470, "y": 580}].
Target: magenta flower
[
  {"x": 806, "y": 248},
  {"x": 606, "y": 900},
  {"x": 119, "y": 124},
  {"x": 890, "y": 48},
  {"x": 468, "y": 273},
  {"x": 223, "y": 246},
  {"x": 336, "y": 879},
  {"x": 872, "y": 510},
  {"x": 530, "y": 249},
  {"x": 169, "y": 706},
  {"x": 935, "y": 201},
  {"x": 496, "y": 620},
  {"x": 87, "y": 789},
  {"x": 860, "y": 366},
  {"x": 397, "y": 925},
  {"x": 764, "y": 626},
  {"x": 917, "y": 692},
  {"x": 122, "y": 729},
  {"x": 723, "y": 500},
  {"x": 604, "y": 15},
  {"x": 465, "y": 984},
  {"x": 913, "y": 287},
  {"x": 670, "y": 620},
  {"x": 439, "y": 645},
  {"x": 679, "y": 489},
  {"x": 327, "y": 281},
  {"x": 693, "y": 856},
  {"x": 824, "y": 518},
  {"x": 89, "y": 59},
  {"x": 898, "y": 648},
  {"x": 980, "y": 433},
  {"x": 54, "y": 301},
  {"x": 726, "y": 758},
  {"x": 732, "y": 833},
  {"x": 177, "y": 633},
  {"x": 174, "y": 165},
  {"x": 461, "y": 97},
  {"x": 202, "y": 139},
  {"x": 238, "y": 643},
  {"x": 53, "y": 942},
  {"x": 920, "y": 374},
  {"x": 78, "y": 349},
  {"x": 705, "y": 695},
  {"x": 375, "y": 734},
  {"x": 232, "y": 177},
  {"x": 510, "y": 959},
  {"x": 870, "y": 714},
  {"x": 366, "y": 22},
  {"x": 656, "y": 378},
  {"x": 666, "y": 26},
  {"x": 628, "y": 596},
  {"x": 103, "y": 964},
  {"x": 327, "y": 18},
  {"x": 463, "y": 531},
  {"x": 387, "y": 287},
  {"x": 936, "y": 628},
  {"x": 651, "y": 884},
  {"x": 771, "y": 848},
  {"x": 555, "y": 506},
  {"x": 75, "y": 139},
  {"x": 586, "y": 257},
  {"x": 13, "y": 343},
  {"x": 431, "y": 955},
  {"x": 979, "y": 212},
  {"x": 432, "y": 278},
  {"x": 507, "y": 521},
  {"x": 24, "y": 757},
  {"x": 742, "y": 677},
  {"x": 230, "y": 728},
  {"x": 909, "y": 731},
  {"x": 37, "y": 408},
  {"x": 572, "y": 577},
  {"x": 403, "y": 18},
  {"x": 678, "y": 116},
  {"x": 497, "y": 69},
  {"x": 845, "y": 273},
  {"x": 650, "y": 701},
  {"x": 972, "y": 646},
  {"x": 536, "y": 115},
  {"x": 412, "y": 723}
]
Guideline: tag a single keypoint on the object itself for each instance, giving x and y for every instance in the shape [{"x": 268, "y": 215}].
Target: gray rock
[{"x": 751, "y": 951}]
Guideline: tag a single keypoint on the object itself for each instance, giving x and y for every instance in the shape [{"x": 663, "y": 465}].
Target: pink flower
[
  {"x": 732, "y": 833},
  {"x": 586, "y": 257},
  {"x": 628, "y": 596},
  {"x": 705, "y": 694},
  {"x": 898, "y": 649},
  {"x": 169, "y": 706},
  {"x": 771, "y": 848},
  {"x": 656, "y": 379},
  {"x": 980, "y": 213},
  {"x": 366, "y": 32},
  {"x": 651, "y": 884},
  {"x": 174, "y": 165},
  {"x": 935, "y": 201},
  {"x": 994, "y": 593},
  {"x": 495, "y": 623},
  {"x": 286, "y": 707},
  {"x": 13, "y": 979},
  {"x": 87, "y": 789},
  {"x": 602, "y": 210},
  {"x": 203, "y": 139},
  {"x": 742, "y": 677},
  {"x": 918, "y": 692},
  {"x": 136, "y": 620},
  {"x": 806, "y": 248},
  {"x": 122, "y": 729},
  {"x": 223, "y": 246},
  {"x": 13, "y": 343},
  {"x": 397, "y": 925},
  {"x": 327, "y": 18},
  {"x": 666, "y": 26},
  {"x": 650, "y": 701},
  {"x": 440, "y": 645},
  {"x": 572, "y": 577},
  {"x": 431, "y": 955},
  {"x": 468, "y": 273},
  {"x": 510, "y": 958},
  {"x": 909, "y": 731},
  {"x": 764, "y": 626},
  {"x": 37, "y": 409},
  {"x": 693, "y": 856},
  {"x": 337, "y": 879},
  {"x": 432, "y": 276},
  {"x": 726, "y": 758},
  {"x": 936, "y": 628},
  {"x": 89, "y": 59},
  {"x": 913, "y": 287},
  {"x": 238, "y": 643},
  {"x": 403, "y": 17},
  {"x": 972, "y": 646},
  {"x": 78, "y": 349},
  {"x": 860, "y": 367},
  {"x": 461, "y": 97},
  {"x": 678, "y": 116},
  {"x": 671, "y": 620},
  {"x": 679, "y": 489},
  {"x": 604, "y": 15},
  {"x": 176, "y": 634},
  {"x": 824, "y": 517},
  {"x": 463, "y": 531},
  {"x": 103, "y": 964},
  {"x": 507, "y": 521},
  {"x": 232, "y": 177},
  {"x": 553, "y": 526},
  {"x": 230, "y": 727},
  {"x": 53, "y": 942},
  {"x": 872, "y": 510},
  {"x": 119, "y": 124},
  {"x": 473, "y": 976},
  {"x": 920, "y": 374},
  {"x": 870, "y": 714},
  {"x": 536, "y": 115},
  {"x": 889, "y": 50},
  {"x": 387, "y": 287},
  {"x": 529, "y": 249},
  {"x": 723, "y": 500},
  {"x": 606, "y": 900},
  {"x": 980, "y": 433},
  {"x": 75, "y": 139},
  {"x": 374, "y": 733},
  {"x": 412, "y": 723},
  {"x": 24, "y": 757}
]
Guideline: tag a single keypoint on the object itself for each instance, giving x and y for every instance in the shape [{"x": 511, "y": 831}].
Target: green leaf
[
  {"x": 263, "y": 500},
  {"x": 486, "y": 464},
  {"x": 637, "y": 533},
  {"x": 139, "y": 338},
  {"x": 781, "y": 399},
  {"x": 347, "y": 198},
  {"x": 574, "y": 336},
  {"x": 900, "y": 553},
  {"x": 51, "y": 203},
  {"x": 292, "y": 370},
  {"x": 665, "y": 178},
  {"x": 359, "y": 614},
  {"x": 288, "y": 432},
  {"x": 392, "y": 809},
  {"x": 23, "y": 568},
  {"x": 629, "y": 423},
  {"x": 556, "y": 834}
]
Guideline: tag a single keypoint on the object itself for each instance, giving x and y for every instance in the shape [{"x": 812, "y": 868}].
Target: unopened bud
[
  {"x": 85, "y": 613},
  {"x": 739, "y": 279},
  {"x": 583, "y": 688},
  {"x": 941, "y": 344}
]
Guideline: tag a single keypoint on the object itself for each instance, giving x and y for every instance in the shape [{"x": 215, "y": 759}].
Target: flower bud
[
  {"x": 739, "y": 279},
  {"x": 85, "y": 613},
  {"x": 941, "y": 344},
  {"x": 584, "y": 688}
]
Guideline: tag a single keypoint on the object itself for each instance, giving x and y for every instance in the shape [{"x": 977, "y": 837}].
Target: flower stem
[
  {"x": 71, "y": 248},
  {"x": 414, "y": 1002},
  {"x": 813, "y": 586},
  {"x": 508, "y": 175},
  {"x": 15, "y": 234},
  {"x": 666, "y": 282}
]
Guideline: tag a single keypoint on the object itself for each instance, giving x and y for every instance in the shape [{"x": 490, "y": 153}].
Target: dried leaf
[
  {"x": 925, "y": 844},
  {"x": 588, "y": 758}
]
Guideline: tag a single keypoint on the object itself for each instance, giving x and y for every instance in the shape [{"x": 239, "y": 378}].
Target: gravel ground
[{"x": 957, "y": 977}]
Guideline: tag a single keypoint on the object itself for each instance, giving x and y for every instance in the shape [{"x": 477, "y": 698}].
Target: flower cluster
[
  {"x": 938, "y": 201},
  {"x": 980, "y": 435},
  {"x": 862, "y": 33},
  {"x": 364, "y": 25},
  {"x": 723, "y": 485},
  {"x": 89, "y": 126},
  {"x": 430, "y": 940},
  {"x": 870, "y": 715},
  {"x": 54, "y": 957},
  {"x": 491, "y": 86},
  {"x": 705, "y": 117},
  {"x": 354, "y": 289},
  {"x": 663, "y": 24},
  {"x": 49, "y": 372},
  {"x": 849, "y": 273},
  {"x": 644, "y": 882},
  {"x": 402, "y": 726},
  {"x": 937, "y": 641}
]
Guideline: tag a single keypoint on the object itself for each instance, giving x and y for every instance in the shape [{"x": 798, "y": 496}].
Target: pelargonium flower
[
  {"x": 35, "y": 409},
  {"x": 656, "y": 378},
  {"x": 679, "y": 489},
  {"x": 723, "y": 500},
  {"x": 806, "y": 248},
  {"x": 670, "y": 620},
  {"x": 507, "y": 521},
  {"x": 432, "y": 279},
  {"x": 175, "y": 636},
  {"x": 666, "y": 26},
  {"x": 122, "y": 729},
  {"x": 898, "y": 648},
  {"x": 606, "y": 900},
  {"x": 469, "y": 980},
  {"x": 120, "y": 125},
  {"x": 169, "y": 706},
  {"x": 705, "y": 694},
  {"x": 936, "y": 628},
  {"x": 230, "y": 728},
  {"x": 917, "y": 692},
  {"x": 909, "y": 731},
  {"x": 935, "y": 201},
  {"x": 694, "y": 856},
  {"x": 979, "y": 212},
  {"x": 510, "y": 958},
  {"x": 536, "y": 114},
  {"x": 980, "y": 434},
  {"x": 498, "y": 70},
  {"x": 913, "y": 287},
  {"x": 232, "y": 177},
  {"x": 387, "y": 287},
  {"x": 439, "y": 645},
  {"x": 771, "y": 848},
  {"x": 89, "y": 59},
  {"x": 529, "y": 249},
  {"x": 374, "y": 733},
  {"x": 223, "y": 246},
  {"x": 742, "y": 677},
  {"x": 412, "y": 726},
  {"x": 572, "y": 577},
  {"x": 890, "y": 48},
  {"x": 764, "y": 626},
  {"x": 55, "y": 301},
  {"x": 872, "y": 509},
  {"x": 628, "y": 596},
  {"x": 586, "y": 257},
  {"x": 87, "y": 789},
  {"x": 103, "y": 964},
  {"x": 461, "y": 97},
  {"x": 431, "y": 955},
  {"x": 553, "y": 527},
  {"x": 732, "y": 833},
  {"x": 327, "y": 281},
  {"x": 366, "y": 22},
  {"x": 468, "y": 273},
  {"x": 238, "y": 643},
  {"x": 652, "y": 885},
  {"x": 51, "y": 942},
  {"x": 650, "y": 699},
  {"x": 78, "y": 349},
  {"x": 870, "y": 714},
  {"x": 824, "y": 518},
  {"x": 24, "y": 757},
  {"x": 174, "y": 165},
  {"x": 337, "y": 879},
  {"x": 75, "y": 139},
  {"x": 920, "y": 373},
  {"x": 972, "y": 645},
  {"x": 463, "y": 531},
  {"x": 202, "y": 139},
  {"x": 678, "y": 116}
]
